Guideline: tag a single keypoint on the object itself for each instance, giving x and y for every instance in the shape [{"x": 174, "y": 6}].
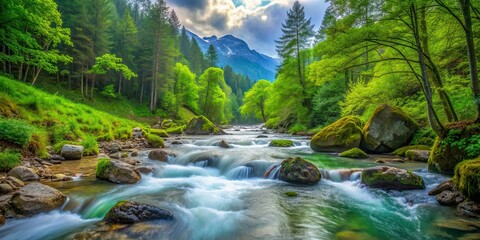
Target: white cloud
[{"x": 258, "y": 22}]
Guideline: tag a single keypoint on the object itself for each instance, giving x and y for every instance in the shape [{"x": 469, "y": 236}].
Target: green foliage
[
  {"x": 254, "y": 100},
  {"x": 326, "y": 108},
  {"x": 16, "y": 132},
  {"x": 297, "y": 128},
  {"x": 424, "y": 136},
  {"x": 470, "y": 145},
  {"x": 355, "y": 153},
  {"x": 9, "y": 159},
  {"x": 186, "y": 89},
  {"x": 122, "y": 133},
  {"x": 102, "y": 165},
  {"x": 109, "y": 91},
  {"x": 108, "y": 62},
  {"x": 281, "y": 143},
  {"x": 90, "y": 146},
  {"x": 467, "y": 179},
  {"x": 213, "y": 92},
  {"x": 154, "y": 140}
]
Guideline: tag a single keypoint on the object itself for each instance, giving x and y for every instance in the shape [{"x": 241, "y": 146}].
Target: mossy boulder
[
  {"x": 159, "y": 132},
  {"x": 388, "y": 129},
  {"x": 202, "y": 126},
  {"x": 355, "y": 153},
  {"x": 128, "y": 212},
  {"x": 281, "y": 143},
  {"x": 391, "y": 178},
  {"x": 401, "y": 151},
  {"x": 117, "y": 171},
  {"x": 340, "y": 136},
  {"x": 462, "y": 142},
  {"x": 299, "y": 171},
  {"x": 467, "y": 179},
  {"x": 154, "y": 140},
  {"x": 176, "y": 130},
  {"x": 417, "y": 155}
]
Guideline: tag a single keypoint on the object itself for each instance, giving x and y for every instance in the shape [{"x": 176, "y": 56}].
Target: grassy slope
[{"x": 45, "y": 119}]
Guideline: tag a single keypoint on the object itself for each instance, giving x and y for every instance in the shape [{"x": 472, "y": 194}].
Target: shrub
[
  {"x": 90, "y": 146},
  {"x": 9, "y": 159},
  {"x": 122, "y": 133},
  {"x": 297, "y": 128},
  {"x": 38, "y": 143},
  {"x": 15, "y": 131},
  {"x": 154, "y": 140}
]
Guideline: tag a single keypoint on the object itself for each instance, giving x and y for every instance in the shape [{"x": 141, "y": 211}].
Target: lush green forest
[{"x": 121, "y": 49}]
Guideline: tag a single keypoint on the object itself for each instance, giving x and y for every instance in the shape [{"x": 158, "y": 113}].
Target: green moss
[
  {"x": 344, "y": 133},
  {"x": 207, "y": 124},
  {"x": 154, "y": 140},
  {"x": 297, "y": 128},
  {"x": 158, "y": 132},
  {"x": 291, "y": 194},
  {"x": 462, "y": 142},
  {"x": 176, "y": 130},
  {"x": 121, "y": 203},
  {"x": 102, "y": 165},
  {"x": 376, "y": 178},
  {"x": 7, "y": 107},
  {"x": 355, "y": 153},
  {"x": 9, "y": 159},
  {"x": 401, "y": 151},
  {"x": 467, "y": 178},
  {"x": 281, "y": 143}
]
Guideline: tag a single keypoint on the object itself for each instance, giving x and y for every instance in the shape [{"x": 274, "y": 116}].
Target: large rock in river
[
  {"x": 72, "y": 152},
  {"x": 35, "y": 198},
  {"x": 391, "y": 178},
  {"x": 117, "y": 171},
  {"x": 340, "y": 136},
  {"x": 202, "y": 126},
  {"x": 299, "y": 171},
  {"x": 127, "y": 212},
  {"x": 23, "y": 173},
  {"x": 388, "y": 129}
]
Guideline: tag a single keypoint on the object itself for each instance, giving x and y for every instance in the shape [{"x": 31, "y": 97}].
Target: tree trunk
[
  {"x": 81, "y": 81},
  {"x": 141, "y": 89},
  {"x": 119, "y": 84},
  {"x": 4, "y": 50},
  {"x": 26, "y": 73},
  {"x": 93, "y": 86},
  {"x": 36, "y": 73},
  {"x": 433, "y": 72},
  {"x": 472, "y": 58},
  {"x": 20, "y": 71},
  {"x": 435, "y": 123}
]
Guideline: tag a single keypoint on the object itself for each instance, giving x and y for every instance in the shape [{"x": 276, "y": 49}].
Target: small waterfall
[
  {"x": 201, "y": 164},
  {"x": 240, "y": 172},
  {"x": 272, "y": 172},
  {"x": 341, "y": 175}
]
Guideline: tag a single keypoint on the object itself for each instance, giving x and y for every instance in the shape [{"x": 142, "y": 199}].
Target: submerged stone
[
  {"x": 299, "y": 171},
  {"x": 127, "y": 212},
  {"x": 391, "y": 178}
]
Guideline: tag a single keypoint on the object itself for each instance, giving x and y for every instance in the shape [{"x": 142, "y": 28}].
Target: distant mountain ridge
[{"x": 236, "y": 53}]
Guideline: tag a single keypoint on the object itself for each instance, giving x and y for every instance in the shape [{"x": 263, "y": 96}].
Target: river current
[{"x": 217, "y": 193}]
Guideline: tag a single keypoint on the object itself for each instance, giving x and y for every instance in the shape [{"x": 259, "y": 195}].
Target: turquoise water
[{"x": 217, "y": 193}]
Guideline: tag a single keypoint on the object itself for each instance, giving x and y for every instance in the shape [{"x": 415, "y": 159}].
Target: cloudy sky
[{"x": 258, "y": 22}]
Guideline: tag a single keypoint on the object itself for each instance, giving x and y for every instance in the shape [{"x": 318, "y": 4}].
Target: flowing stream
[{"x": 217, "y": 193}]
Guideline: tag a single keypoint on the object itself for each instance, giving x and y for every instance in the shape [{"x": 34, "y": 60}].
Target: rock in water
[
  {"x": 340, "y": 136},
  {"x": 355, "y": 153},
  {"x": 391, "y": 178},
  {"x": 387, "y": 130},
  {"x": 127, "y": 212},
  {"x": 117, "y": 172},
  {"x": 299, "y": 171},
  {"x": 202, "y": 126},
  {"x": 72, "y": 152},
  {"x": 224, "y": 144},
  {"x": 35, "y": 198},
  {"x": 23, "y": 173},
  {"x": 281, "y": 143},
  {"x": 467, "y": 179},
  {"x": 417, "y": 155},
  {"x": 159, "y": 155}
]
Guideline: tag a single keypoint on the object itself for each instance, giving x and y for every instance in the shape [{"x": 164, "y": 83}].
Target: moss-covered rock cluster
[
  {"x": 461, "y": 142},
  {"x": 200, "y": 125},
  {"x": 299, "y": 171},
  {"x": 340, "y": 136},
  {"x": 355, "y": 153},
  {"x": 281, "y": 143}
]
